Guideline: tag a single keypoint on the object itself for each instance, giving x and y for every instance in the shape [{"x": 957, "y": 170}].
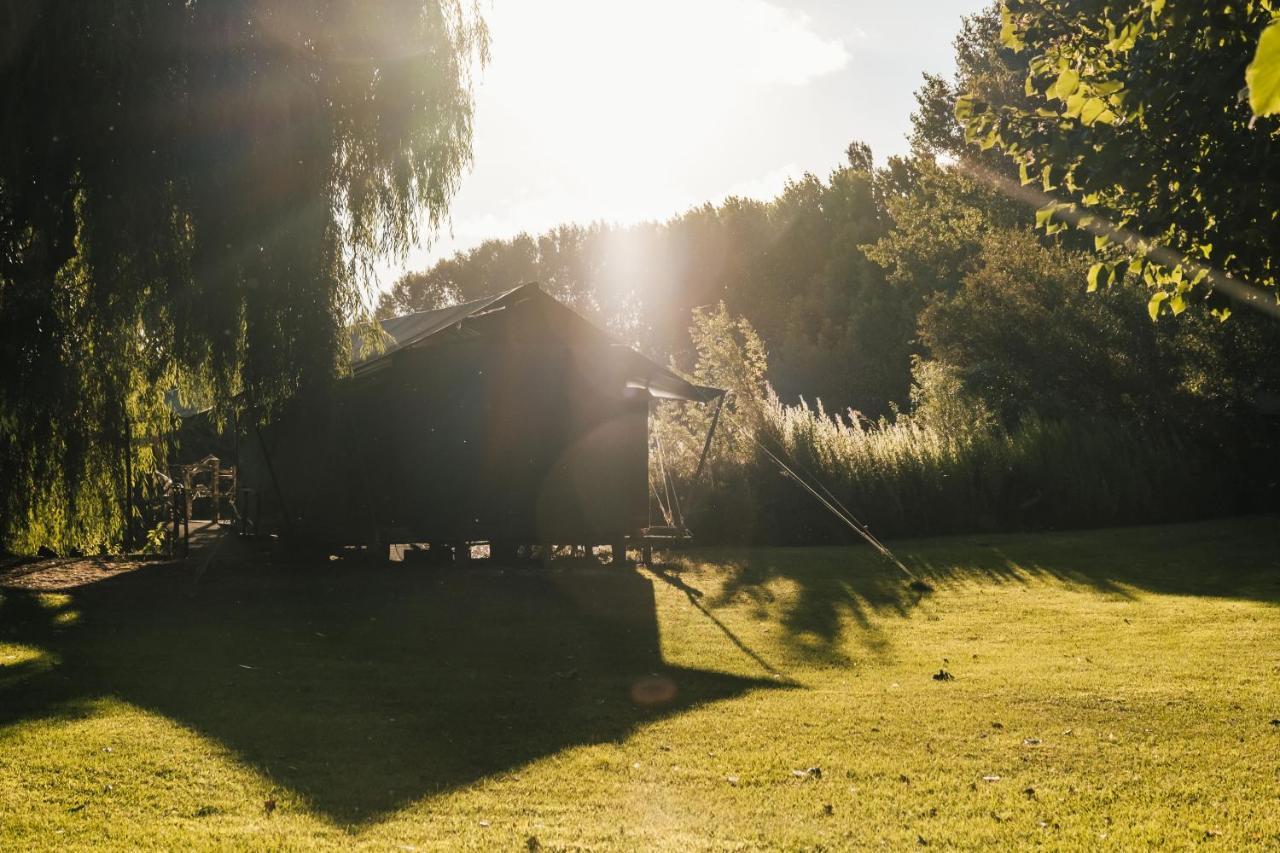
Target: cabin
[{"x": 510, "y": 420}]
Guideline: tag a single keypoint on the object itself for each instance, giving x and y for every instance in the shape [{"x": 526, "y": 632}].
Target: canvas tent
[{"x": 510, "y": 419}]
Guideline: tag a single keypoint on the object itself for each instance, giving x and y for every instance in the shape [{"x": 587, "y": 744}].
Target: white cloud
[
  {"x": 615, "y": 106},
  {"x": 600, "y": 109},
  {"x": 768, "y": 186},
  {"x": 666, "y": 46}
]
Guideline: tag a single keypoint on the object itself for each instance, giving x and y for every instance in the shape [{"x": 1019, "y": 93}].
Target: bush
[{"x": 949, "y": 466}]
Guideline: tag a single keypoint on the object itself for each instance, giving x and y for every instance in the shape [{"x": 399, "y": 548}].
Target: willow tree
[{"x": 193, "y": 193}]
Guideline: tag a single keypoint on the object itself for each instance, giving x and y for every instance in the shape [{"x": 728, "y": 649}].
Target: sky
[{"x": 604, "y": 110}]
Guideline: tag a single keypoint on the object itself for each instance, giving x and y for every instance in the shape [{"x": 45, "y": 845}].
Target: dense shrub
[{"x": 948, "y": 466}]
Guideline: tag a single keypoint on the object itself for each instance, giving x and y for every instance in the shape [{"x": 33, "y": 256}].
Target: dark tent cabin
[{"x": 510, "y": 420}]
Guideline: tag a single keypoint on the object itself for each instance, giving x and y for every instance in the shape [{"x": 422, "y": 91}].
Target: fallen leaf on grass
[
  {"x": 943, "y": 675},
  {"x": 995, "y": 725},
  {"x": 1031, "y": 741},
  {"x": 811, "y": 773},
  {"x": 732, "y": 780},
  {"x": 485, "y": 824},
  {"x": 991, "y": 778}
]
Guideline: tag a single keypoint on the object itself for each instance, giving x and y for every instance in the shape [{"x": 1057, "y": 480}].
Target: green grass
[{"x": 1121, "y": 684}]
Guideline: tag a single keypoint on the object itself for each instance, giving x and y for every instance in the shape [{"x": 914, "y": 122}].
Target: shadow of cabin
[
  {"x": 510, "y": 420},
  {"x": 362, "y": 691}
]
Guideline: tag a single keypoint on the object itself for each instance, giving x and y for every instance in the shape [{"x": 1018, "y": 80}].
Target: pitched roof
[{"x": 410, "y": 329}]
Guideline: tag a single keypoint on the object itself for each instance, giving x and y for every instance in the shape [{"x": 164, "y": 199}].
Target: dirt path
[{"x": 54, "y": 574}]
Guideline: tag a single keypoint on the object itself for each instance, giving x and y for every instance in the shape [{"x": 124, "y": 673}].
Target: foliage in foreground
[{"x": 1137, "y": 116}]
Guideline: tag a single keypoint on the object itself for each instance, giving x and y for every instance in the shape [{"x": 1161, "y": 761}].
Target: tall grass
[
  {"x": 910, "y": 478},
  {"x": 947, "y": 466}
]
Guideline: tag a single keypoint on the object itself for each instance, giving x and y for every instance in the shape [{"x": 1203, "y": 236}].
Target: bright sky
[{"x": 599, "y": 109}]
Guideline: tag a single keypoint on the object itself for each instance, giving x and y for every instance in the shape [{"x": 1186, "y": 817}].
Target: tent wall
[{"x": 515, "y": 434}]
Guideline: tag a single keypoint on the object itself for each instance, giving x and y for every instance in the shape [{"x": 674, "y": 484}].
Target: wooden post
[
  {"x": 128, "y": 481},
  {"x": 619, "y": 551},
  {"x": 502, "y": 551},
  {"x": 175, "y": 511},
  {"x": 215, "y": 468}
]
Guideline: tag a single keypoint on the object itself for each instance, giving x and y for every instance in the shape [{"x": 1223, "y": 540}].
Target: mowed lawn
[{"x": 1109, "y": 689}]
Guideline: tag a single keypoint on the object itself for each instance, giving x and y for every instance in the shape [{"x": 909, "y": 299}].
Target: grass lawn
[{"x": 1112, "y": 689}]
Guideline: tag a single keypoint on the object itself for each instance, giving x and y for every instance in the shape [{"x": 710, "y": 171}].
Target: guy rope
[{"x": 825, "y": 497}]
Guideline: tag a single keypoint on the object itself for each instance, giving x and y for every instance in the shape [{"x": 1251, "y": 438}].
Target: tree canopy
[
  {"x": 193, "y": 193},
  {"x": 1138, "y": 127}
]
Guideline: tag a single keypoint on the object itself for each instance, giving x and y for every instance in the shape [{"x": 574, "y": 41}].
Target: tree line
[
  {"x": 857, "y": 278},
  {"x": 192, "y": 197}
]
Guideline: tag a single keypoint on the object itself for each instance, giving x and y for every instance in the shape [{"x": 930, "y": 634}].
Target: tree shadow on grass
[
  {"x": 363, "y": 690},
  {"x": 842, "y": 592}
]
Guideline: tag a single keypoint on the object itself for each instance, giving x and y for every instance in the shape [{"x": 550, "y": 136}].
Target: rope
[
  {"x": 836, "y": 508},
  {"x": 668, "y": 484},
  {"x": 662, "y": 473}
]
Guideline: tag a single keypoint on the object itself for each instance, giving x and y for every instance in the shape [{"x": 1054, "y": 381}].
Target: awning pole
[{"x": 711, "y": 431}]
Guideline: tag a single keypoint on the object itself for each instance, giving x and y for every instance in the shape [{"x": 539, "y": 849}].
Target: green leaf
[
  {"x": 1101, "y": 241},
  {"x": 1045, "y": 214},
  {"x": 1092, "y": 108},
  {"x": 1263, "y": 74},
  {"x": 1126, "y": 38},
  {"x": 1009, "y": 36},
  {"x": 1093, "y": 276},
  {"x": 1067, "y": 83},
  {"x": 1153, "y": 307}
]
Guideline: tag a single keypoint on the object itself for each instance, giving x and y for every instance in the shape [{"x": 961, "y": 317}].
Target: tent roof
[{"x": 411, "y": 329}]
